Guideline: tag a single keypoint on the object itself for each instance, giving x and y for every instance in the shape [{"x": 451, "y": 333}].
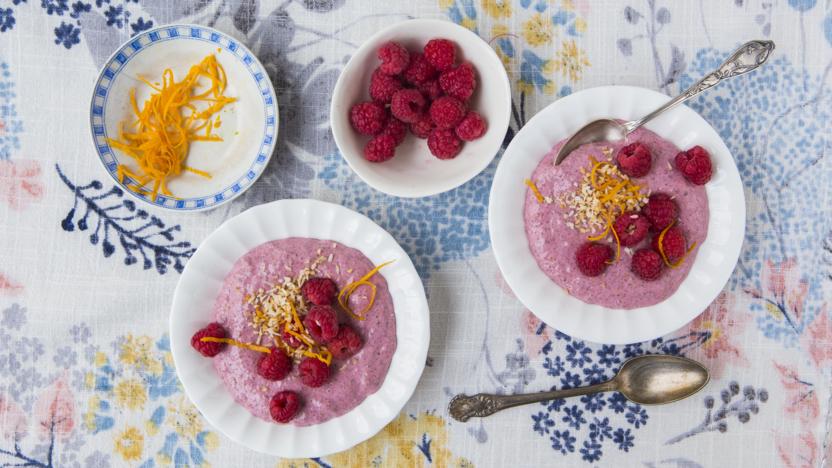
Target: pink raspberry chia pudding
[
  {"x": 258, "y": 284},
  {"x": 617, "y": 224}
]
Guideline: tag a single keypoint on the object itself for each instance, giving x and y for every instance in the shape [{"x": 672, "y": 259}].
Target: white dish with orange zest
[
  {"x": 537, "y": 227},
  {"x": 184, "y": 117},
  {"x": 249, "y": 275}
]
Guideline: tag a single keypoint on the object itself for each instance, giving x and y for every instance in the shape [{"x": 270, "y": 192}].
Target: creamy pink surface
[
  {"x": 352, "y": 380},
  {"x": 553, "y": 244}
]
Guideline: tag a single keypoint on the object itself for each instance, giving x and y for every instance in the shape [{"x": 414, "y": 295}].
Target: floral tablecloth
[{"x": 86, "y": 275}]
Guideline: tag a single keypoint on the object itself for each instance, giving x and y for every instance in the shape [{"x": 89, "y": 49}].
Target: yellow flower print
[
  {"x": 130, "y": 394},
  {"x": 184, "y": 418},
  {"x": 497, "y": 8},
  {"x": 469, "y": 23},
  {"x": 538, "y": 30},
  {"x": 138, "y": 353},
  {"x": 398, "y": 445},
  {"x": 570, "y": 61},
  {"x": 129, "y": 444},
  {"x": 445, "y": 4},
  {"x": 89, "y": 416}
]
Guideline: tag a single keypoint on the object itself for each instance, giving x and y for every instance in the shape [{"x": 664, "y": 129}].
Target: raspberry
[
  {"x": 289, "y": 339},
  {"x": 322, "y": 322},
  {"x": 674, "y": 244},
  {"x": 447, "y": 112},
  {"x": 394, "y": 58},
  {"x": 459, "y": 82},
  {"x": 472, "y": 127},
  {"x": 207, "y": 348},
  {"x": 407, "y": 105},
  {"x": 346, "y": 343},
  {"x": 695, "y": 165},
  {"x": 419, "y": 70},
  {"x": 284, "y": 406},
  {"x": 440, "y": 53},
  {"x": 647, "y": 264},
  {"x": 368, "y": 118},
  {"x": 444, "y": 144},
  {"x": 423, "y": 127},
  {"x": 383, "y": 86},
  {"x": 274, "y": 366},
  {"x": 313, "y": 373},
  {"x": 381, "y": 148},
  {"x": 396, "y": 129},
  {"x": 631, "y": 228},
  {"x": 430, "y": 89},
  {"x": 634, "y": 160},
  {"x": 660, "y": 210},
  {"x": 592, "y": 258},
  {"x": 319, "y": 291}
]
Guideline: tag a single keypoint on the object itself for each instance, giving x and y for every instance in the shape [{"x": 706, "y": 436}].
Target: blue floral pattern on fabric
[
  {"x": 599, "y": 421},
  {"x": 433, "y": 230},
  {"x": 10, "y": 124}
]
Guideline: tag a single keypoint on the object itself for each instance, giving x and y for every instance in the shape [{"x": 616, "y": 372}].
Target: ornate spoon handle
[
  {"x": 748, "y": 57},
  {"x": 463, "y": 407}
]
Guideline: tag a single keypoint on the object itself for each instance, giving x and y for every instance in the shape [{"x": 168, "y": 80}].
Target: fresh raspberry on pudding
[
  {"x": 660, "y": 210},
  {"x": 592, "y": 258},
  {"x": 695, "y": 165},
  {"x": 634, "y": 160},
  {"x": 631, "y": 228},
  {"x": 319, "y": 291},
  {"x": 322, "y": 323},
  {"x": 346, "y": 343},
  {"x": 275, "y": 365},
  {"x": 284, "y": 406},
  {"x": 209, "y": 348},
  {"x": 313, "y": 373},
  {"x": 647, "y": 264}
]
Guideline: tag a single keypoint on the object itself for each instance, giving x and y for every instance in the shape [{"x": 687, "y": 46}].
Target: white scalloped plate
[
  {"x": 194, "y": 298},
  {"x": 715, "y": 259}
]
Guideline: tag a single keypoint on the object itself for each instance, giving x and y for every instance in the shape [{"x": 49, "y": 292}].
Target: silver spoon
[
  {"x": 748, "y": 57},
  {"x": 651, "y": 379}
]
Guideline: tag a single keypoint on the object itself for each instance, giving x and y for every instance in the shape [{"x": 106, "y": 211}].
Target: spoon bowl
[{"x": 656, "y": 380}]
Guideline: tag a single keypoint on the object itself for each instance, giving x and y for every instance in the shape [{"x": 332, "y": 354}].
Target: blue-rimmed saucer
[{"x": 248, "y": 126}]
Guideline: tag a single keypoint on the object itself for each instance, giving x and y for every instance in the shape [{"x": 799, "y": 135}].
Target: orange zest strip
[
  {"x": 617, "y": 241},
  {"x": 344, "y": 295},
  {"x": 159, "y": 138},
  {"x": 252, "y": 347},
  {"x": 535, "y": 191},
  {"x": 600, "y": 236}
]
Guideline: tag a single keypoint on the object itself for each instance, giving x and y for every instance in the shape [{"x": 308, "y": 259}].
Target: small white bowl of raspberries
[{"x": 421, "y": 108}]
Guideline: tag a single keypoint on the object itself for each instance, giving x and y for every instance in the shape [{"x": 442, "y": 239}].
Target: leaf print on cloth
[
  {"x": 650, "y": 22},
  {"x": 20, "y": 183},
  {"x": 782, "y": 301},
  {"x": 734, "y": 401},
  {"x": 410, "y": 440},
  {"x": 723, "y": 323},
  {"x": 139, "y": 234},
  {"x": 800, "y": 403},
  {"x": 817, "y": 341},
  {"x": 55, "y": 410}
]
